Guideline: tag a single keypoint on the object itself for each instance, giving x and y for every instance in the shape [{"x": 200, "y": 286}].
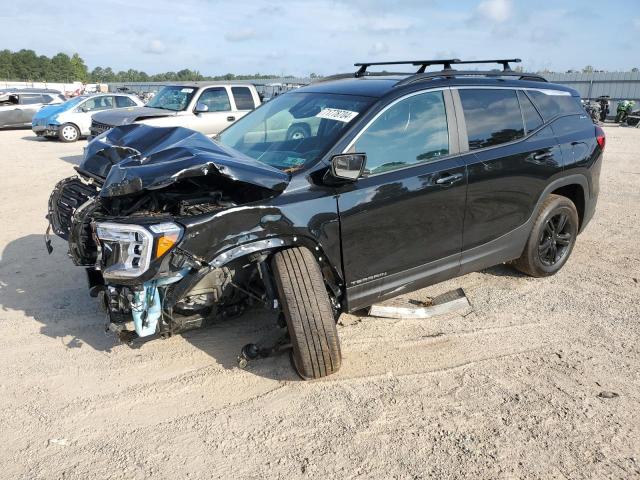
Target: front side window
[
  {"x": 123, "y": 102},
  {"x": 294, "y": 129},
  {"x": 216, "y": 99},
  {"x": 97, "y": 103},
  {"x": 492, "y": 116},
  {"x": 412, "y": 131},
  {"x": 243, "y": 98},
  {"x": 174, "y": 98}
]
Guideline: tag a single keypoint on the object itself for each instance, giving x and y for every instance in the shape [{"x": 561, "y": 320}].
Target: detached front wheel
[{"x": 307, "y": 310}]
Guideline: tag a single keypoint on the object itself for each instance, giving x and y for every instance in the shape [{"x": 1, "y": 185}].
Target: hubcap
[
  {"x": 69, "y": 133},
  {"x": 555, "y": 239}
]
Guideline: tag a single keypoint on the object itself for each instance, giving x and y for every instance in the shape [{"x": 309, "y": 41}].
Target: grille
[
  {"x": 97, "y": 127},
  {"x": 67, "y": 196}
]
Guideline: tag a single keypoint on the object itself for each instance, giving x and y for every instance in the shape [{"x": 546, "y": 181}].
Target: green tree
[
  {"x": 6, "y": 65},
  {"x": 62, "y": 68},
  {"x": 80, "y": 71}
]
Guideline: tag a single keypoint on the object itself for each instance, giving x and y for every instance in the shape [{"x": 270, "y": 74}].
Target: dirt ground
[{"x": 541, "y": 379}]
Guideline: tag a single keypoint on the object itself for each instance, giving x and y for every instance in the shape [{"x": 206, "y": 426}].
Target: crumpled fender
[{"x": 138, "y": 157}]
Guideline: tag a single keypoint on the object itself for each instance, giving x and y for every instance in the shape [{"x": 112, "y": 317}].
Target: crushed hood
[
  {"x": 125, "y": 116},
  {"x": 138, "y": 157}
]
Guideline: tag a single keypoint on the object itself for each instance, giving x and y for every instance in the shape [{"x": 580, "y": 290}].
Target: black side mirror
[{"x": 348, "y": 166}]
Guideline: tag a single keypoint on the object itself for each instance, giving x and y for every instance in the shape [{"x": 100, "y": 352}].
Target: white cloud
[
  {"x": 240, "y": 35},
  {"x": 155, "y": 47},
  {"x": 497, "y": 11},
  {"x": 378, "y": 48}
]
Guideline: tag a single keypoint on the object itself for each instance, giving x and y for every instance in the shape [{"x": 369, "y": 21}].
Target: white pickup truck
[{"x": 207, "y": 107}]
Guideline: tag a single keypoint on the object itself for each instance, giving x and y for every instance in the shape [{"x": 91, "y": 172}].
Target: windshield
[
  {"x": 172, "y": 98},
  {"x": 294, "y": 129}
]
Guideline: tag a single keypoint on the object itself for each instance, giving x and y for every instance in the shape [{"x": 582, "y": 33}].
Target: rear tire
[
  {"x": 68, "y": 133},
  {"x": 308, "y": 313},
  {"x": 551, "y": 239}
]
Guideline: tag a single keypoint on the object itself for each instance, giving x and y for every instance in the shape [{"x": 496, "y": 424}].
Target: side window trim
[{"x": 454, "y": 147}]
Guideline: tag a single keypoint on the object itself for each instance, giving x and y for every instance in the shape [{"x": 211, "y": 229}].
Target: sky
[{"x": 324, "y": 36}]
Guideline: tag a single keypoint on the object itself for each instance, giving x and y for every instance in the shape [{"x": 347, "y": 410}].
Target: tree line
[{"x": 26, "y": 65}]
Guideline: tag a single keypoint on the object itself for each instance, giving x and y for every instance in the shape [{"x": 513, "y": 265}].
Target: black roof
[{"x": 378, "y": 86}]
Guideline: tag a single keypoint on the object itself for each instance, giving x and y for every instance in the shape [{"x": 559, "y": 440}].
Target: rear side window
[
  {"x": 572, "y": 124},
  {"x": 30, "y": 99},
  {"x": 122, "y": 102},
  {"x": 552, "y": 105},
  {"x": 492, "y": 116},
  {"x": 243, "y": 98},
  {"x": 532, "y": 118},
  {"x": 412, "y": 131}
]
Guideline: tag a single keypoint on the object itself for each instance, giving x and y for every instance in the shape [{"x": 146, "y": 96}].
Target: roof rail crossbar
[
  {"x": 502, "y": 61},
  {"x": 446, "y": 63}
]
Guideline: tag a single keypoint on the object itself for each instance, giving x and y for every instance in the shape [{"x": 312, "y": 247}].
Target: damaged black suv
[{"x": 330, "y": 198}]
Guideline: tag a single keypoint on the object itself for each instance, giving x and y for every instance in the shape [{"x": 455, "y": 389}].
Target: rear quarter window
[
  {"x": 492, "y": 116},
  {"x": 551, "y": 106},
  {"x": 122, "y": 102}
]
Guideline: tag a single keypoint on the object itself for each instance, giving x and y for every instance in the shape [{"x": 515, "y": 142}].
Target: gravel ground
[{"x": 541, "y": 379}]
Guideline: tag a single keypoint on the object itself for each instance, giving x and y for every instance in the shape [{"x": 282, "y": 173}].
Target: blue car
[{"x": 72, "y": 119}]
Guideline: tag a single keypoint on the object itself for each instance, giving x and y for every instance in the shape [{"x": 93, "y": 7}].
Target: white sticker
[
  {"x": 187, "y": 90},
  {"x": 337, "y": 114}
]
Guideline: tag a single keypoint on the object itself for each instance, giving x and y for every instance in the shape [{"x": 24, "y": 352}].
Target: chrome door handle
[{"x": 449, "y": 179}]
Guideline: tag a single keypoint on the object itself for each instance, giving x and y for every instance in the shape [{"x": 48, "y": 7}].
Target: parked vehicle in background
[
  {"x": 402, "y": 181},
  {"x": 72, "y": 119},
  {"x": 624, "y": 109},
  {"x": 593, "y": 109},
  {"x": 206, "y": 107},
  {"x": 633, "y": 119},
  {"x": 18, "y": 106},
  {"x": 603, "y": 101}
]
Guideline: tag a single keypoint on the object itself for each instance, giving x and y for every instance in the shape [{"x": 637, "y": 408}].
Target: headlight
[{"x": 127, "y": 250}]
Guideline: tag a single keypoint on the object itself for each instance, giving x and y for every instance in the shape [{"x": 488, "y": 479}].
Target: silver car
[{"x": 18, "y": 106}]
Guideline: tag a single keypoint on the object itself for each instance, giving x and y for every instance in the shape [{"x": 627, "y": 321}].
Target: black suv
[{"x": 330, "y": 198}]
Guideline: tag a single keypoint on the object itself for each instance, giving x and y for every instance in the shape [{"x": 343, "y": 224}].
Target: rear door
[
  {"x": 243, "y": 100},
  {"x": 401, "y": 225},
  {"x": 514, "y": 157},
  {"x": 30, "y": 103}
]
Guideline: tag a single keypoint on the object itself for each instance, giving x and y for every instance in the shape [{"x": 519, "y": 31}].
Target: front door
[
  {"x": 401, "y": 225},
  {"x": 218, "y": 115}
]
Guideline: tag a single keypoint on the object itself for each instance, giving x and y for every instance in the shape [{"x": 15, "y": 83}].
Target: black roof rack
[
  {"x": 423, "y": 64},
  {"x": 504, "y": 62},
  {"x": 447, "y": 72}
]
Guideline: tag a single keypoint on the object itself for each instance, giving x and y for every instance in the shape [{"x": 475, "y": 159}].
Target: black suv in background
[{"x": 330, "y": 198}]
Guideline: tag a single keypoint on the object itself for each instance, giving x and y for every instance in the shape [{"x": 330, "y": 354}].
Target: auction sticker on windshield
[{"x": 337, "y": 114}]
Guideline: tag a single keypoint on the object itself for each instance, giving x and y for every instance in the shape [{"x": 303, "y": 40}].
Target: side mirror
[
  {"x": 348, "y": 166},
  {"x": 201, "y": 107},
  {"x": 84, "y": 109}
]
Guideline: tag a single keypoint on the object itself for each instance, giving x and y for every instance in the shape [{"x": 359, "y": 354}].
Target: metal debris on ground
[{"x": 402, "y": 308}]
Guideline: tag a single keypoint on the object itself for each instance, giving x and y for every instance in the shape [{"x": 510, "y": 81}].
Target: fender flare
[{"x": 331, "y": 274}]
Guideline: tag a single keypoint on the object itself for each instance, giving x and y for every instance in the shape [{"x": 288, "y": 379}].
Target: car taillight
[{"x": 600, "y": 137}]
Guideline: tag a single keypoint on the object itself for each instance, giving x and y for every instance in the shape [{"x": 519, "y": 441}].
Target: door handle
[
  {"x": 231, "y": 118},
  {"x": 542, "y": 156},
  {"x": 448, "y": 179}
]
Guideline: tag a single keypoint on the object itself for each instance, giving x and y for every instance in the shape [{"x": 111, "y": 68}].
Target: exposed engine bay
[{"x": 124, "y": 216}]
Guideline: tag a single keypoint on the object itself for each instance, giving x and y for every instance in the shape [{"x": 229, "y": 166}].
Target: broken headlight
[{"x": 127, "y": 250}]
